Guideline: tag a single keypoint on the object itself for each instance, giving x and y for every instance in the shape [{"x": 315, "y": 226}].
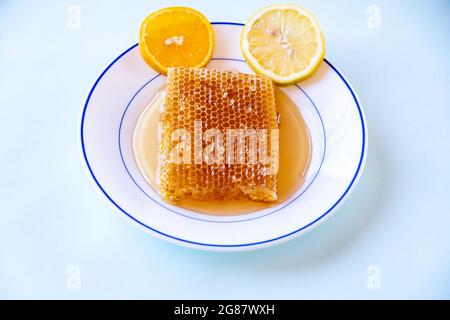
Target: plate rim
[{"x": 232, "y": 247}]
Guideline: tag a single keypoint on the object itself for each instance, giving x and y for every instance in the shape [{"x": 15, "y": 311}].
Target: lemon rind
[{"x": 149, "y": 57}]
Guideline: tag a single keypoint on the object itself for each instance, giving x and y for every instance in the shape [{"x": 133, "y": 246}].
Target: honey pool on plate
[{"x": 295, "y": 152}]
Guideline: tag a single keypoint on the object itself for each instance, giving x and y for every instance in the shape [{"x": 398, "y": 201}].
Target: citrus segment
[{"x": 283, "y": 42}]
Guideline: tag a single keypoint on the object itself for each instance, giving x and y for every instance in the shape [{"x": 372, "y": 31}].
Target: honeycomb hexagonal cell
[{"x": 217, "y": 136}]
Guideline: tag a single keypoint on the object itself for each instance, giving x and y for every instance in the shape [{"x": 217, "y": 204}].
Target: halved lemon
[
  {"x": 283, "y": 42},
  {"x": 176, "y": 37}
]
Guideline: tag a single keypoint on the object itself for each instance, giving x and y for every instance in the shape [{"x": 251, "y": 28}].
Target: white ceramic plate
[{"x": 327, "y": 102}]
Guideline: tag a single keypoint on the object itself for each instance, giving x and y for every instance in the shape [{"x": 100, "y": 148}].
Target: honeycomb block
[{"x": 207, "y": 112}]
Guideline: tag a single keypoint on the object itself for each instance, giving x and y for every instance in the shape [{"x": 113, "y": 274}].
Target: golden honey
[{"x": 294, "y": 156}]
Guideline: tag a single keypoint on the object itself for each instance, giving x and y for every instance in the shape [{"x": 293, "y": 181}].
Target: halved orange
[{"x": 176, "y": 37}]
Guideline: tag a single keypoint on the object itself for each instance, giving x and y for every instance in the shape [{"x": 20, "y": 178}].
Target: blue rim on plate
[{"x": 363, "y": 148}]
